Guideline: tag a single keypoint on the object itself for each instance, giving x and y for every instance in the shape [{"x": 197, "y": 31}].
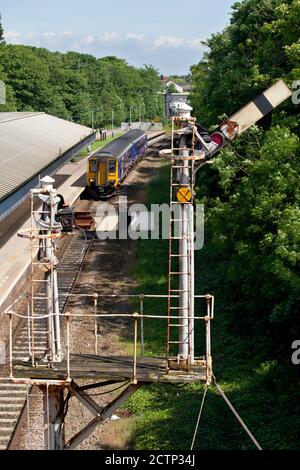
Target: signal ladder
[{"x": 181, "y": 246}]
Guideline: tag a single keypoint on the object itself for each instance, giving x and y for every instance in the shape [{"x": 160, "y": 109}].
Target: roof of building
[
  {"x": 186, "y": 86},
  {"x": 30, "y": 142},
  {"x": 119, "y": 145}
]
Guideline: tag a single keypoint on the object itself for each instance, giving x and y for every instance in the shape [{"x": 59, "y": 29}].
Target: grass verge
[{"x": 96, "y": 145}]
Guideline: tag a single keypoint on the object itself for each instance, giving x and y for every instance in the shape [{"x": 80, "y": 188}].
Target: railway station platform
[{"x": 14, "y": 251}]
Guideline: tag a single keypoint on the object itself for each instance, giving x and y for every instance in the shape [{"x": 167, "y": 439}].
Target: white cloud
[
  {"x": 136, "y": 36},
  {"x": 31, "y": 35},
  {"x": 175, "y": 41},
  {"x": 109, "y": 37},
  {"x": 196, "y": 43},
  {"x": 48, "y": 34},
  {"x": 168, "y": 41},
  {"x": 135, "y": 47},
  {"x": 89, "y": 39},
  {"x": 61, "y": 34},
  {"x": 63, "y": 37},
  {"x": 13, "y": 37}
]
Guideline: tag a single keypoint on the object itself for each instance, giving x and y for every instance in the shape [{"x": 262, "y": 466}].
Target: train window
[
  {"x": 112, "y": 166},
  {"x": 93, "y": 166}
]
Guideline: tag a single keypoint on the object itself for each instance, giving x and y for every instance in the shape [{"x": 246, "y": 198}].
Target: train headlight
[{"x": 92, "y": 180}]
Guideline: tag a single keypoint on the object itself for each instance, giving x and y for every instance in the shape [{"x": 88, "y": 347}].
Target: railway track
[{"x": 13, "y": 397}]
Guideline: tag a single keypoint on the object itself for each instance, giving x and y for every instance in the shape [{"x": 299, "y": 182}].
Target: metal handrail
[
  {"x": 135, "y": 317},
  {"x": 105, "y": 315}
]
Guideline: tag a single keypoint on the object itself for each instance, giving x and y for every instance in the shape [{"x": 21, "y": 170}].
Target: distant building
[
  {"x": 186, "y": 87},
  {"x": 173, "y": 100},
  {"x": 177, "y": 87},
  {"x": 179, "y": 94},
  {"x": 170, "y": 83}
]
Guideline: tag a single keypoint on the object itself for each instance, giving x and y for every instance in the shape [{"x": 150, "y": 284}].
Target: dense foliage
[
  {"x": 252, "y": 193},
  {"x": 1, "y": 31},
  {"x": 75, "y": 86}
]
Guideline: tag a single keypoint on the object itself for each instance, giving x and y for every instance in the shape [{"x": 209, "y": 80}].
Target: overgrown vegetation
[
  {"x": 250, "y": 261},
  {"x": 76, "y": 86},
  {"x": 252, "y": 192},
  {"x": 1, "y": 31}
]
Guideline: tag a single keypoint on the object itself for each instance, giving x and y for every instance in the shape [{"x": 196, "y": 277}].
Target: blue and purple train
[{"x": 109, "y": 166}]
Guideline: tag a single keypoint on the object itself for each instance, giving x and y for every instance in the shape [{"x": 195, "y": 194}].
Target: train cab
[
  {"x": 102, "y": 173},
  {"x": 109, "y": 166}
]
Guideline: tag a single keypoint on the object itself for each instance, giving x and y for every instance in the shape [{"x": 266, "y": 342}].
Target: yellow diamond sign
[{"x": 184, "y": 195}]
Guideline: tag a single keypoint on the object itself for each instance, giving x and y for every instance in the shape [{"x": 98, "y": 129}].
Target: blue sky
[{"x": 167, "y": 35}]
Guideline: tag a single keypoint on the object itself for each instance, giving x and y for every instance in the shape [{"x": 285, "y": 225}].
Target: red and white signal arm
[
  {"x": 251, "y": 113},
  {"x": 261, "y": 106}
]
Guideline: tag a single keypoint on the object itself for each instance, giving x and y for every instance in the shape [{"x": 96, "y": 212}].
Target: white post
[
  {"x": 186, "y": 249},
  {"x": 48, "y": 224},
  {"x": 54, "y": 417},
  {"x": 192, "y": 283},
  {"x": 184, "y": 265},
  {"x": 58, "y": 348},
  {"x": 49, "y": 295}
]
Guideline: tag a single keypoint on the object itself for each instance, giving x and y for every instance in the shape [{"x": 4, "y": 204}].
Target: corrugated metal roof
[{"x": 29, "y": 142}]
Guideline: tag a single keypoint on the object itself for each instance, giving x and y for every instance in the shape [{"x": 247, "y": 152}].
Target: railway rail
[{"x": 14, "y": 397}]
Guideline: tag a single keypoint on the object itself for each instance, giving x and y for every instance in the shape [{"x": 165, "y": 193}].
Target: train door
[{"x": 102, "y": 173}]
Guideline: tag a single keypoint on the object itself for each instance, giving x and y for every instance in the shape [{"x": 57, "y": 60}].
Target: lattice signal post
[
  {"x": 44, "y": 233},
  {"x": 196, "y": 147}
]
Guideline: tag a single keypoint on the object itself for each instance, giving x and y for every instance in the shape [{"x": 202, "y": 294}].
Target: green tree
[
  {"x": 1, "y": 30},
  {"x": 78, "y": 86},
  {"x": 259, "y": 46},
  {"x": 252, "y": 190},
  {"x": 27, "y": 75},
  {"x": 171, "y": 88}
]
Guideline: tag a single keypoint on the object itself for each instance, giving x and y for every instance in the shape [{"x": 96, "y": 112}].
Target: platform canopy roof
[{"x": 30, "y": 142}]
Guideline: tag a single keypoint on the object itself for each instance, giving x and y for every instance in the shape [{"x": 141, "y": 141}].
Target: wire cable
[
  {"x": 199, "y": 417},
  {"x": 222, "y": 393}
]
